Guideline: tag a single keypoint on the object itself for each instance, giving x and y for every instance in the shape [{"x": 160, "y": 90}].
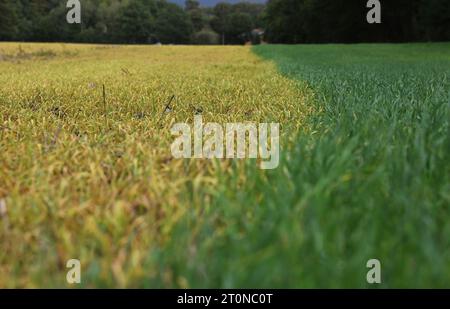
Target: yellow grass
[{"x": 95, "y": 183}]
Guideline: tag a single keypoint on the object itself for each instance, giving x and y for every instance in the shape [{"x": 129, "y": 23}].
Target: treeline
[
  {"x": 344, "y": 21},
  {"x": 284, "y": 21},
  {"x": 129, "y": 21}
]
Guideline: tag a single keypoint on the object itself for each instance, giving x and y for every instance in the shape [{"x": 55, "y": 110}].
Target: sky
[{"x": 214, "y": 2}]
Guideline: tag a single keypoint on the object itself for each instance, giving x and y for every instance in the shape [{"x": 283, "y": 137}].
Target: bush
[{"x": 206, "y": 37}]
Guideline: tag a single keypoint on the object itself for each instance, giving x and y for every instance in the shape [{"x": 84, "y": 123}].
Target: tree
[
  {"x": 173, "y": 25},
  {"x": 254, "y": 10},
  {"x": 205, "y": 37},
  {"x": 235, "y": 22},
  {"x": 219, "y": 23},
  {"x": 134, "y": 24},
  {"x": 434, "y": 20},
  {"x": 192, "y": 5},
  {"x": 239, "y": 27},
  {"x": 285, "y": 20},
  {"x": 8, "y": 20},
  {"x": 196, "y": 14},
  {"x": 343, "y": 21}
]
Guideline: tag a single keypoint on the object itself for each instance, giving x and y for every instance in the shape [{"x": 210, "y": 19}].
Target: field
[{"x": 86, "y": 170}]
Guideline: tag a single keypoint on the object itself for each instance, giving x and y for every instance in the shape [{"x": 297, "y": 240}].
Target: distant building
[{"x": 254, "y": 37}]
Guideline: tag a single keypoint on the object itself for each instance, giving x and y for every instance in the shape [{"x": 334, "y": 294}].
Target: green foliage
[
  {"x": 173, "y": 25},
  {"x": 8, "y": 20},
  {"x": 326, "y": 21},
  {"x": 435, "y": 17},
  {"x": 134, "y": 23},
  {"x": 242, "y": 24},
  {"x": 196, "y": 14},
  {"x": 108, "y": 21},
  {"x": 120, "y": 21},
  {"x": 285, "y": 21},
  {"x": 235, "y": 22},
  {"x": 206, "y": 37}
]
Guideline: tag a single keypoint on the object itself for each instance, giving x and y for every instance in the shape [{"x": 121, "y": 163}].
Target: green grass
[{"x": 369, "y": 178}]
